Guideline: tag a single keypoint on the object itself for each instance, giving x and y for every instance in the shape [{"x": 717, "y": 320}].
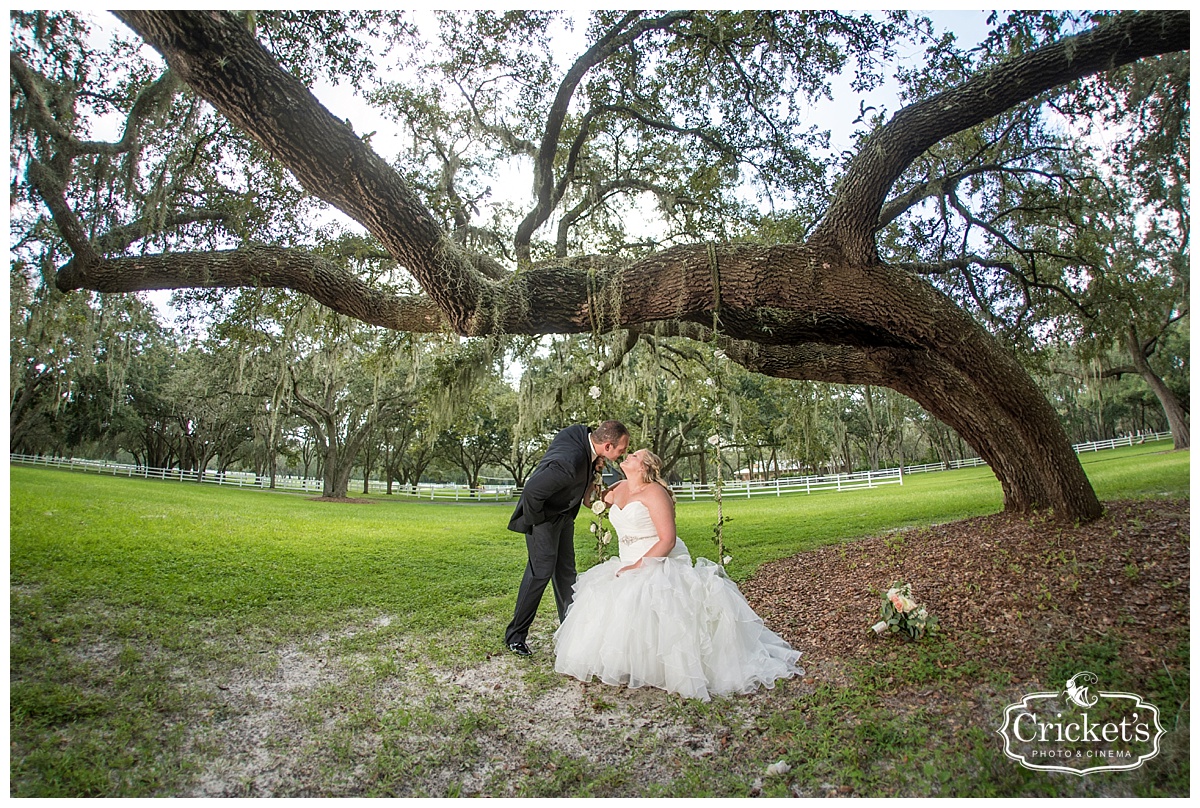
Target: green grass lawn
[
  {"x": 129, "y": 597},
  {"x": 764, "y": 528}
]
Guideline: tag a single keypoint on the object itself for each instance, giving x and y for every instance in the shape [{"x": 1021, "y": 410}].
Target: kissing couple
[{"x": 647, "y": 617}]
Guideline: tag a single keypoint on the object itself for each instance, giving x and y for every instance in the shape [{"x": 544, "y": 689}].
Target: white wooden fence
[
  {"x": 1124, "y": 440},
  {"x": 791, "y": 485},
  {"x": 506, "y": 493},
  {"x": 247, "y": 479}
]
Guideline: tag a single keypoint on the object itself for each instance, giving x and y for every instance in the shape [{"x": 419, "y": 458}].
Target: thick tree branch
[
  {"x": 51, "y": 187},
  {"x": 272, "y": 267},
  {"x": 223, "y": 62},
  {"x": 619, "y": 36},
  {"x": 850, "y": 222}
]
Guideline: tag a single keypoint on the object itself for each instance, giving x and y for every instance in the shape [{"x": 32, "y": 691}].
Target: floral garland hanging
[
  {"x": 714, "y": 440},
  {"x": 600, "y": 528}
]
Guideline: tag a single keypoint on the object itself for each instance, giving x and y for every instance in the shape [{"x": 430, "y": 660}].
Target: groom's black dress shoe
[{"x": 520, "y": 649}]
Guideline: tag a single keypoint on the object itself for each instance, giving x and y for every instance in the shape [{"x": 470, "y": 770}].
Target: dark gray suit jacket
[{"x": 558, "y": 484}]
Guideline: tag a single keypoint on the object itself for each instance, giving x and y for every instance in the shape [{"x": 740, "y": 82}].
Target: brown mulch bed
[{"x": 1004, "y": 587}]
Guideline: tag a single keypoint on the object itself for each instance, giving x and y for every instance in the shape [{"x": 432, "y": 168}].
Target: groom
[{"x": 546, "y": 513}]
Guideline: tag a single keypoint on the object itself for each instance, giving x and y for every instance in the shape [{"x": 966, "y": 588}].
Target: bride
[{"x": 650, "y": 618}]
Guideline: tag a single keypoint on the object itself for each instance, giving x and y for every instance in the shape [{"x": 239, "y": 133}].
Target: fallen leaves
[{"x": 1003, "y": 585}]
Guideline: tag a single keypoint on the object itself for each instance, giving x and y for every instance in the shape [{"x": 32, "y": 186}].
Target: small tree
[{"x": 339, "y": 390}]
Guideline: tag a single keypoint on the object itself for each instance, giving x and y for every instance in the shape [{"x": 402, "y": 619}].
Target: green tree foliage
[
  {"x": 343, "y": 383},
  {"x": 74, "y": 361},
  {"x": 1066, "y": 223}
]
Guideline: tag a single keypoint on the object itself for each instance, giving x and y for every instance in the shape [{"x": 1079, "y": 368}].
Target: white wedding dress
[{"x": 684, "y": 629}]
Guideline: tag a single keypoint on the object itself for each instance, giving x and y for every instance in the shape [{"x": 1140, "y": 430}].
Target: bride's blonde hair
[{"x": 652, "y": 471}]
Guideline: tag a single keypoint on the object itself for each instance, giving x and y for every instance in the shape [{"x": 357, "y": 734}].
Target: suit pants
[{"x": 551, "y": 548}]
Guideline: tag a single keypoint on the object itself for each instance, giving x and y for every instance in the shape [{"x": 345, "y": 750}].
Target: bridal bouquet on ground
[{"x": 901, "y": 614}]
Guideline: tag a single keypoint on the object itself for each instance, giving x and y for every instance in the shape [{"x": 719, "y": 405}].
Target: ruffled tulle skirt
[{"x": 684, "y": 629}]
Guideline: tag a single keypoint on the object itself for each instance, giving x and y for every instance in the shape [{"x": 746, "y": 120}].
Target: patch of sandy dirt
[{"x": 266, "y": 739}]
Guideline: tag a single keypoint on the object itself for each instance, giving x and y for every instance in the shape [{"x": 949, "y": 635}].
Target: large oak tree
[{"x": 826, "y": 308}]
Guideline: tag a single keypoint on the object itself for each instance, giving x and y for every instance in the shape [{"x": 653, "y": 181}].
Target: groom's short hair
[{"x": 609, "y": 432}]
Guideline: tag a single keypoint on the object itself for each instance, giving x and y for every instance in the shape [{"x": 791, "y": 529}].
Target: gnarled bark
[{"x": 260, "y": 266}]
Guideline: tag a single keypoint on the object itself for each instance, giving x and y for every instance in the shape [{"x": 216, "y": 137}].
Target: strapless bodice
[{"x": 636, "y": 533}]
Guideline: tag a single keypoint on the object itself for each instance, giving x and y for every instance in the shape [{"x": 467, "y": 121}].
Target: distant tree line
[{"x": 284, "y": 386}]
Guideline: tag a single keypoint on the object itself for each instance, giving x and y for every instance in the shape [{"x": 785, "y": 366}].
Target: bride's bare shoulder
[{"x": 655, "y": 496}]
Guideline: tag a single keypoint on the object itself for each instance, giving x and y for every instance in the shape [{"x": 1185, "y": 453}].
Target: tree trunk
[
  {"x": 1177, "y": 419},
  {"x": 1032, "y": 478},
  {"x": 336, "y": 479},
  {"x": 390, "y": 471},
  {"x": 307, "y": 448},
  {"x": 20, "y": 410}
]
